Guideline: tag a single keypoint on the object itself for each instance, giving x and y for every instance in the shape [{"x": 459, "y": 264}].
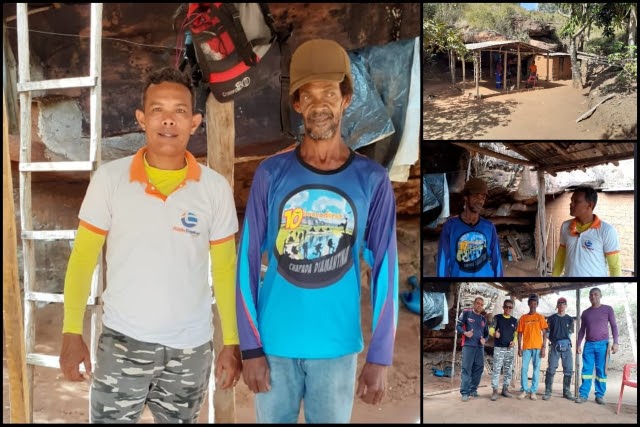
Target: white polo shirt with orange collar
[
  {"x": 157, "y": 287},
  {"x": 587, "y": 251}
]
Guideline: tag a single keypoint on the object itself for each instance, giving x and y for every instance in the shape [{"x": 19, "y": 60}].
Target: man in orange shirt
[{"x": 532, "y": 342}]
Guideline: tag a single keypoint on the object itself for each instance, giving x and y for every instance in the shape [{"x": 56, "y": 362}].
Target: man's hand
[
  {"x": 578, "y": 350},
  {"x": 482, "y": 340},
  {"x": 74, "y": 352},
  {"x": 497, "y": 334},
  {"x": 372, "y": 383},
  {"x": 543, "y": 351},
  {"x": 255, "y": 373},
  {"x": 469, "y": 334},
  {"x": 519, "y": 352},
  {"x": 614, "y": 349},
  {"x": 228, "y": 366},
  {"x": 511, "y": 344}
]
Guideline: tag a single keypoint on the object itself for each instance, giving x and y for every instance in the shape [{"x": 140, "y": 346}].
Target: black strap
[
  {"x": 285, "y": 107},
  {"x": 230, "y": 17}
]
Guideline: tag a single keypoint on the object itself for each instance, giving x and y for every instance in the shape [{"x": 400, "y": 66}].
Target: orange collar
[
  {"x": 137, "y": 173},
  {"x": 573, "y": 227}
]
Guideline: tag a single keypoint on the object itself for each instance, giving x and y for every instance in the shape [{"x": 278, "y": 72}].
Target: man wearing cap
[
  {"x": 559, "y": 334},
  {"x": 300, "y": 327},
  {"x": 589, "y": 247},
  {"x": 594, "y": 326},
  {"x": 532, "y": 342},
  {"x": 503, "y": 330},
  {"x": 469, "y": 244}
]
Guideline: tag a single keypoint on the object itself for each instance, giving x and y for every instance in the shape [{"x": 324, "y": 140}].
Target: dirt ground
[
  {"x": 448, "y": 407},
  {"x": 547, "y": 112},
  {"x": 59, "y": 401}
]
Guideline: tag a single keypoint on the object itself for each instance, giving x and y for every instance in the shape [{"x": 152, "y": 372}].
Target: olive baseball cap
[
  {"x": 318, "y": 59},
  {"x": 476, "y": 186}
]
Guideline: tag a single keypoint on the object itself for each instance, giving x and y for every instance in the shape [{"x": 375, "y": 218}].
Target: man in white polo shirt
[
  {"x": 163, "y": 216},
  {"x": 589, "y": 247}
]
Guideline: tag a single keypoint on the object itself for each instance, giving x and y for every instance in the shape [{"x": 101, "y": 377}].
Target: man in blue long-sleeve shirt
[
  {"x": 469, "y": 245},
  {"x": 475, "y": 331}
]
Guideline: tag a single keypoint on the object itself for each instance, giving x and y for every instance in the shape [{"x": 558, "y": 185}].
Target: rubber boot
[
  {"x": 494, "y": 396},
  {"x": 505, "y": 392},
  {"x": 566, "y": 388},
  {"x": 548, "y": 385}
]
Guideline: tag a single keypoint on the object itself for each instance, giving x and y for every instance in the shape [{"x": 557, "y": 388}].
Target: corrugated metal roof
[{"x": 515, "y": 43}]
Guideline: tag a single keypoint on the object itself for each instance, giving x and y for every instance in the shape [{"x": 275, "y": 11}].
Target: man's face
[
  {"x": 594, "y": 297},
  {"x": 533, "y": 305},
  {"x": 475, "y": 202},
  {"x": 579, "y": 205},
  {"x": 168, "y": 119},
  {"x": 562, "y": 307},
  {"x": 507, "y": 308},
  {"x": 478, "y": 305},
  {"x": 321, "y": 105}
]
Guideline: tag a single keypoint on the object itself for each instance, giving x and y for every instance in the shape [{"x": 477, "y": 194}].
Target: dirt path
[
  {"x": 448, "y": 408},
  {"x": 548, "y": 112}
]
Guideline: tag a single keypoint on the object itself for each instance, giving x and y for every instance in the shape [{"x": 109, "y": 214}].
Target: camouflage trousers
[
  {"x": 130, "y": 374},
  {"x": 502, "y": 361}
]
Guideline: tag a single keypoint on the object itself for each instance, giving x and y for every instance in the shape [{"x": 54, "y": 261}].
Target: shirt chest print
[{"x": 315, "y": 236}]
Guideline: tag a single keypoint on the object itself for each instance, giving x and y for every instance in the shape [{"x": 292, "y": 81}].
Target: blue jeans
[
  {"x": 594, "y": 353},
  {"x": 532, "y": 355},
  {"x": 326, "y": 386},
  {"x": 472, "y": 368},
  {"x": 554, "y": 358}
]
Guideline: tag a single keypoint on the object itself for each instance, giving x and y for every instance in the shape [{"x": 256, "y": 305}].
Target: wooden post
[
  {"x": 455, "y": 334},
  {"x": 542, "y": 251},
  {"x": 462, "y": 61},
  {"x": 476, "y": 72},
  {"x": 519, "y": 70},
  {"x": 504, "y": 71},
  {"x": 547, "y": 66},
  {"x": 19, "y": 396},
  {"x": 221, "y": 135}
]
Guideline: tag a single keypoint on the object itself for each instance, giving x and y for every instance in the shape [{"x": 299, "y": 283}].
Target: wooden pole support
[
  {"x": 220, "y": 157},
  {"x": 12, "y": 315}
]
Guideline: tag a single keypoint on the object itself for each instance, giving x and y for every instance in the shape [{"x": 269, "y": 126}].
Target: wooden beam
[
  {"x": 221, "y": 135},
  {"x": 19, "y": 396},
  {"x": 475, "y": 146}
]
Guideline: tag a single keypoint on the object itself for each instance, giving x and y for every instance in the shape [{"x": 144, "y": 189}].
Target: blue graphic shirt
[
  {"x": 468, "y": 250},
  {"x": 313, "y": 225}
]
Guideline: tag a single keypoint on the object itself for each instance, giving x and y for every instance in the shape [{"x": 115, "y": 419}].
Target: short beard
[{"x": 328, "y": 133}]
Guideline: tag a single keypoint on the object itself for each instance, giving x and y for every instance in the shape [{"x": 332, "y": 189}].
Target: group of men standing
[{"x": 532, "y": 334}]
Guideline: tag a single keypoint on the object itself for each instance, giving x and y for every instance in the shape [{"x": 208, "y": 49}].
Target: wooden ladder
[{"x": 30, "y": 236}]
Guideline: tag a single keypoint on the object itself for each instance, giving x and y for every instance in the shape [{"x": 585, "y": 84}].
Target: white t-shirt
[
  {"x": 586, "y": 251},
  {"x": 157, "y": 249}
]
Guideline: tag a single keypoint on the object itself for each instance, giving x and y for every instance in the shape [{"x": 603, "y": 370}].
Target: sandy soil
[
  {"x": 59, "y": 401},
  {"x": 448, "y": 408},
  {"x": 547, "y": 112}
]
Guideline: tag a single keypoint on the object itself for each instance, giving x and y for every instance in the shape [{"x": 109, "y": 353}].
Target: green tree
[{"x": 582, "y": 16}]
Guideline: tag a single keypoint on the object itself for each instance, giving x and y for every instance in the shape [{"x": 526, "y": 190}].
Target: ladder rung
[
  {"x": 45, "y": 360},
  {"x": 49, "y": 297},
  {"x": 71, "y": 82},
  {"x": 79, "y": 166},
  {"x": 49, "y": 234}
]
